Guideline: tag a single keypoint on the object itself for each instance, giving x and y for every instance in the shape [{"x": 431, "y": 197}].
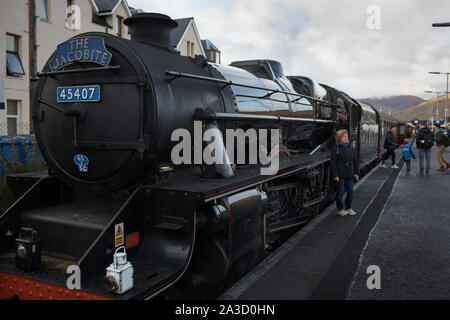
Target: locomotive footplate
[{"x": 245, "y": 177}]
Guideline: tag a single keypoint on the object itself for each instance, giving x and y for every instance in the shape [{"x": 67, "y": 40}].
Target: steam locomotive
[{"x": 104, "y": 113}]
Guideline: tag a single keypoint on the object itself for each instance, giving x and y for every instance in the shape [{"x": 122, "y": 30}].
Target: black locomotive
[{"x": 104, "y": 113}]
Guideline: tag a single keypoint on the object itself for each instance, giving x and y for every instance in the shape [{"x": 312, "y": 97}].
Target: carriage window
[{"x": 402, "y": 130}]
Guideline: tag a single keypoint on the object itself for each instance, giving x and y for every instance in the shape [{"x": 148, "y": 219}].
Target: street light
[
  {"x": 444, "y": 24},
  {"x": 437, "y": 105},
  {"x": 446, "y": 99},
  {"x": 440, "y": 25}
]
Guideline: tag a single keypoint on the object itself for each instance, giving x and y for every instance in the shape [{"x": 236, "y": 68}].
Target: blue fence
[{"x": 18, "y": 150}]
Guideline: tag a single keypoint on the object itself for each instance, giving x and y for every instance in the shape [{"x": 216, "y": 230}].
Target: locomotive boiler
[{"x": 104, "y": 113}]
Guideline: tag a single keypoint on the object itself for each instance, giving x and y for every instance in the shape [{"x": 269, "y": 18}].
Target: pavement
[
  {"x": 402, "y": 226},
  {"x": 316, "y": 259},
  {"x": 411, "y": 241}
]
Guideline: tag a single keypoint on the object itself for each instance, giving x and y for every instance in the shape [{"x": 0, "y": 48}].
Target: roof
[
  {"x": 135, "y": 11},
  {"x": 100, "y": 20},
  {"x": 179, "y": 31},
  {"x": 208, "y": 45},
  {"x": 105, "y": 7}
]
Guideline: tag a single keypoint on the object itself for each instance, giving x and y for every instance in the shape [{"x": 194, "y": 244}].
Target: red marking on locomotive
[
  {"x": 132, "y": 240},
  {"x": 28, "y": 289}
]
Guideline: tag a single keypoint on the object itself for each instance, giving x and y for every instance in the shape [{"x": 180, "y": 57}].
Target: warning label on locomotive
[
  {"x": 119, "y": 235},
  {"x": 81, "y": 49}
]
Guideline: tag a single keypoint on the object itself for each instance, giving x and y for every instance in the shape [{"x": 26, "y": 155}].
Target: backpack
[
  {"x": 425, "y": 139},
  {"x": 445, "y": 140}
]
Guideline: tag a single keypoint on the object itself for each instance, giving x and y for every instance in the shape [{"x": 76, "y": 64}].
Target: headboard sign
[{"x": 81, "y": 49}]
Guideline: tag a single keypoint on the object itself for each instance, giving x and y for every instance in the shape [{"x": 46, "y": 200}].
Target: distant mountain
[
  {"x": 394, "y": 103},
  {"x": 422, "y": 111}
]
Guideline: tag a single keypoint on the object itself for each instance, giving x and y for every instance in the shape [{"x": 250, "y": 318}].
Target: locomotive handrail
[
  {"x": 172, "y": 75},
  {"x": 57, "y": 108},
  {"x": 219, "y": 116},
  {"x": 271, "y": 99},
  {"x": 55, "y": 73}
]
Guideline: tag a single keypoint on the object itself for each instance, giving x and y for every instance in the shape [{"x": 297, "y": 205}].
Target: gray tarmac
[{"x": 411, "y": 240}]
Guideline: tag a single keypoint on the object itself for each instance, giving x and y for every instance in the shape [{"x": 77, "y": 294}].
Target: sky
[{"x": 346, "y": 44}]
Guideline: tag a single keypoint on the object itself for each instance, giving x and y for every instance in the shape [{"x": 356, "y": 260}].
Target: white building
[{"x": 186, "y": 39}]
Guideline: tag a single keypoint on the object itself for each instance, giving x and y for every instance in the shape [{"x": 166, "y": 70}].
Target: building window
[
  {"x": 12, "y": 117},
  {"x": 213, "y": 56},
  {"x": 13, "y": 64},
  {"x": 44, "y": 10},
  {"x": 192, "y": 49},
  {"x": 119, "y": 26},
  {"x": 188, "y": 48}
]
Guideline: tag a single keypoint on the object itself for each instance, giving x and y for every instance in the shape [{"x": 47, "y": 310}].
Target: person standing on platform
[
  {"x": 390, "y": 145},
  {"x": 407, "y": 153},
  {"x": 414, "y": 135},
  {"x": 424, "y": 142},
  {"x": 442, "y": 141},
  {"x": 345, "y": 170}
]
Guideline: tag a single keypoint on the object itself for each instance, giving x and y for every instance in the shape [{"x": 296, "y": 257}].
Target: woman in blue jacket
[{"x": 344, "y": 169}]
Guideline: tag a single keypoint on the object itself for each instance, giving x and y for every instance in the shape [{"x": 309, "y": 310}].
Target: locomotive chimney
[{"x": 152, "y": 28}]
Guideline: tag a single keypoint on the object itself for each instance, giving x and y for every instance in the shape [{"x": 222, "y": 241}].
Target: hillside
[
  {"x": 422, "y": 110},
  {"x": 394, "y": 103}
]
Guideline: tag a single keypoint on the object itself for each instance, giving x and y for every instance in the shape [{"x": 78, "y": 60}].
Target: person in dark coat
[
  {"x": 424, "y": 142},
  {"x": 344, "y": 170},
  {"x": 390, "y": 145}
]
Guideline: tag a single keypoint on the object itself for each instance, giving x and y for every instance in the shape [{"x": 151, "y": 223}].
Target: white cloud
[{"x": 328, "y": 40}]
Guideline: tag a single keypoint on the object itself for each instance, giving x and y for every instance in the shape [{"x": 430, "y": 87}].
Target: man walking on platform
[
  {"x": 442, "y": 141},
  {"x": 390, "y": 144},
  {"x": 424, "y": 142}
]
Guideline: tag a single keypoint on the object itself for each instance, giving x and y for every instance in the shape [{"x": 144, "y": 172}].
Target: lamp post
[
  {"x": 437, "y": 106},
  {"x": 446, "y": 99},
  {"x": 443, "y": 25}
]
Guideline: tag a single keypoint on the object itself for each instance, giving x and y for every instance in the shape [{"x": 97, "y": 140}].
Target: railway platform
[{"x": 402, "y": 227}]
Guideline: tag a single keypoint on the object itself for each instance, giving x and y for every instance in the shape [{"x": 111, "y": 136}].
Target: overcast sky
[{"x": 328, "y": 40}]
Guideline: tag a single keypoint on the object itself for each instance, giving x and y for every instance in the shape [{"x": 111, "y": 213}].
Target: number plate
[{"x": 79, "y": 94}]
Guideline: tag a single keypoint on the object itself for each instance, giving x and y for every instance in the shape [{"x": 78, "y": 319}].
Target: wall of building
[
  {"x": 122, "y": 12},
  {"x": 56, "y": 27},
  {"x": 14, "y": 20},
  {"x": 192, "y": 38}
]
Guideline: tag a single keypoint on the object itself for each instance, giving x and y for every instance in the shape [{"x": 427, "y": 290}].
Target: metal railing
[{"x": 13, "y": 128}]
